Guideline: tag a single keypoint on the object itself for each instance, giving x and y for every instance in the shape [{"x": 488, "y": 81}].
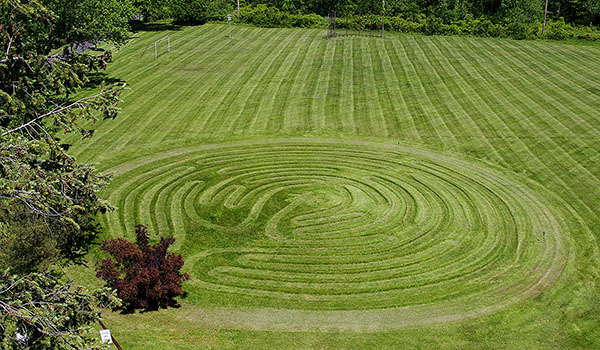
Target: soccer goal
[{"x": 156, "y": 45}]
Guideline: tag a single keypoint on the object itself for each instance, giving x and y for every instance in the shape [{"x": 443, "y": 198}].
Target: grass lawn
[{"x": 359, "y": 193}]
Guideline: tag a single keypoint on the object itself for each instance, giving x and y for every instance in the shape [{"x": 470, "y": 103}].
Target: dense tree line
[{"x": 574, "y": 11}]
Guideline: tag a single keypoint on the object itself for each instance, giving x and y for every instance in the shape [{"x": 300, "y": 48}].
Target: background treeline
[
  {"x": 578, "y": 12},
  {"x": 581, "y": 12},
  {"x": 556, "y": 29},
  {"x": 520, "y": 19}
]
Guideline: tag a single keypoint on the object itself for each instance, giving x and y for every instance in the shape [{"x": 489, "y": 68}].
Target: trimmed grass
[
  {"x": 331, "y": 225},
  {"x": 410, "y": 191}
]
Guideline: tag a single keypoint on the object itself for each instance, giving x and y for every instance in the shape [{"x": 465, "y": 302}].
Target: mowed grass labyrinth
[
  {"x": 363, "y": 184},
  {"x": 339, "y": 226}
]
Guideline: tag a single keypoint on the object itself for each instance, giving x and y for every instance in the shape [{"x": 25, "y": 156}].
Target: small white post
[
  {"x": 229, "y": 20},
  {"x": 169, "y": 43},
  {"x": 155, "y": 52},
  {"x": 383, "y": 20}
]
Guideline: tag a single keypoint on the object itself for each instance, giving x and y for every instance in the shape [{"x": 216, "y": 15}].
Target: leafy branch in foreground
[
  {"x": 48, "y": 199},
  {"x": 37, "y": 311},
  {"x": 42, "y": 187}
]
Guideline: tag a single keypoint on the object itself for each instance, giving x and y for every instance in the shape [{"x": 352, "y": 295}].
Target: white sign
[
  {"x": 229, "y": 17},
  {"x": 105, "y": 336}
]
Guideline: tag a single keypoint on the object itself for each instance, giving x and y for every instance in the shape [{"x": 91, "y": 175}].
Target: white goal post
[{"x": 156, "y": 45}]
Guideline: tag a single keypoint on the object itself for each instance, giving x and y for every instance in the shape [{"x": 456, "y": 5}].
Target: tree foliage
[
  {"x": 145, "y": 275},
  {"x": 152, "y": 10},
  {"x": 37, "y": 311},
  {"x": 190, "y": 11},
  {"x": 44, "y": 190},
  {"x": 515, "y": 11},
  {"x": 78, "y": 21}
]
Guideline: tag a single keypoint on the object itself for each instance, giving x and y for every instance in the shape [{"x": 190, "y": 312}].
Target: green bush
[
  {"x": 454, "y": 29},
  {"x": 558, "y": 30},
  {"x": 434, "y": 26},
  {"x": 483, "y": 27},
  {"x": 587, "y": 36},
  {"x": 219, "y": 9},
  {"x": 263, "y": 16},
  {"x": 271, "y": 17},
  {"x": 190, "y": 11},
  {"x": 399, "y": 24},
  {"x": 522, "y": 31},
  {"x": 308, "y": 21}
]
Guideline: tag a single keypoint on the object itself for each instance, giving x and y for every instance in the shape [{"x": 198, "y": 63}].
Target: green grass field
[{"x": 360, "y": 193}]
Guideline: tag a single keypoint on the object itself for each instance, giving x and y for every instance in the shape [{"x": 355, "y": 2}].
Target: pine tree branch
[{"x": 79, "y": 103}]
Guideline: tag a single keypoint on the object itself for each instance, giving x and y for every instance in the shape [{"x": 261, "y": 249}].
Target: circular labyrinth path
[{"x": 326, "y": 234}]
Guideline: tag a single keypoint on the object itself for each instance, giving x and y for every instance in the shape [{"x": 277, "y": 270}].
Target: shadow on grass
[
  {"x": 173, "y": 304},
  {"x": 97, "y": 78},
  {"x": 138, "y": 26}
]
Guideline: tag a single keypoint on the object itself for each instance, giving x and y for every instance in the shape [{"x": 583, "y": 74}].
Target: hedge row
[
  {"x": 555, "y": 30},
  {"x": 270, "y": 17}
]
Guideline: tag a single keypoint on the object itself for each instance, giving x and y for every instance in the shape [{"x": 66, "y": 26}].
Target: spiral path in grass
[{"x": 342, "y": 233}]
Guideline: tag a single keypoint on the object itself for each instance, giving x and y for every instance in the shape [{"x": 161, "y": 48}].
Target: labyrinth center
[{"x": 339, "y": 230}]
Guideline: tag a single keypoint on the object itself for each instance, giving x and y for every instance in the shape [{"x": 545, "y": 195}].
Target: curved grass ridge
[{"x": 317, "y": 233}]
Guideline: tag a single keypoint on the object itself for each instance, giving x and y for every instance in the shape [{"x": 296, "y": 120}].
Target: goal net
[{"x": 156, "y": 45}]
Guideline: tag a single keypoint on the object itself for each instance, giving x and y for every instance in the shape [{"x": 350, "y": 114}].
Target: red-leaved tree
[{"x": 145, "y": 275}]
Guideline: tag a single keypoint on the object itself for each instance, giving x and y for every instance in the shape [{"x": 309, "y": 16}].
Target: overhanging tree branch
[
  {"x": 45, "y": 194},
  {"x": 79, "y": 103},
  {"x": 34, "y": 306}
]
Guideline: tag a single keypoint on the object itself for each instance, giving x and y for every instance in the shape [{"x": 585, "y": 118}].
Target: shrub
[
  {"x": 145, "y": 276},
  {"x": 219, "y": 9},
  {"x": 403, "y": 25},
  {"x": 483, "y": 27},
  {"x": 587, "y": 36},
  {"x": 190, "y": 11},
  {"x": 454, "y": 29},
  {"x": 271, "y": 17},
  {"x": 558, "y": 30},
  {"x": 521, "y": 31},
  {"x": 309, "y": 21},
  {"x": 434, "y": 26}
]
